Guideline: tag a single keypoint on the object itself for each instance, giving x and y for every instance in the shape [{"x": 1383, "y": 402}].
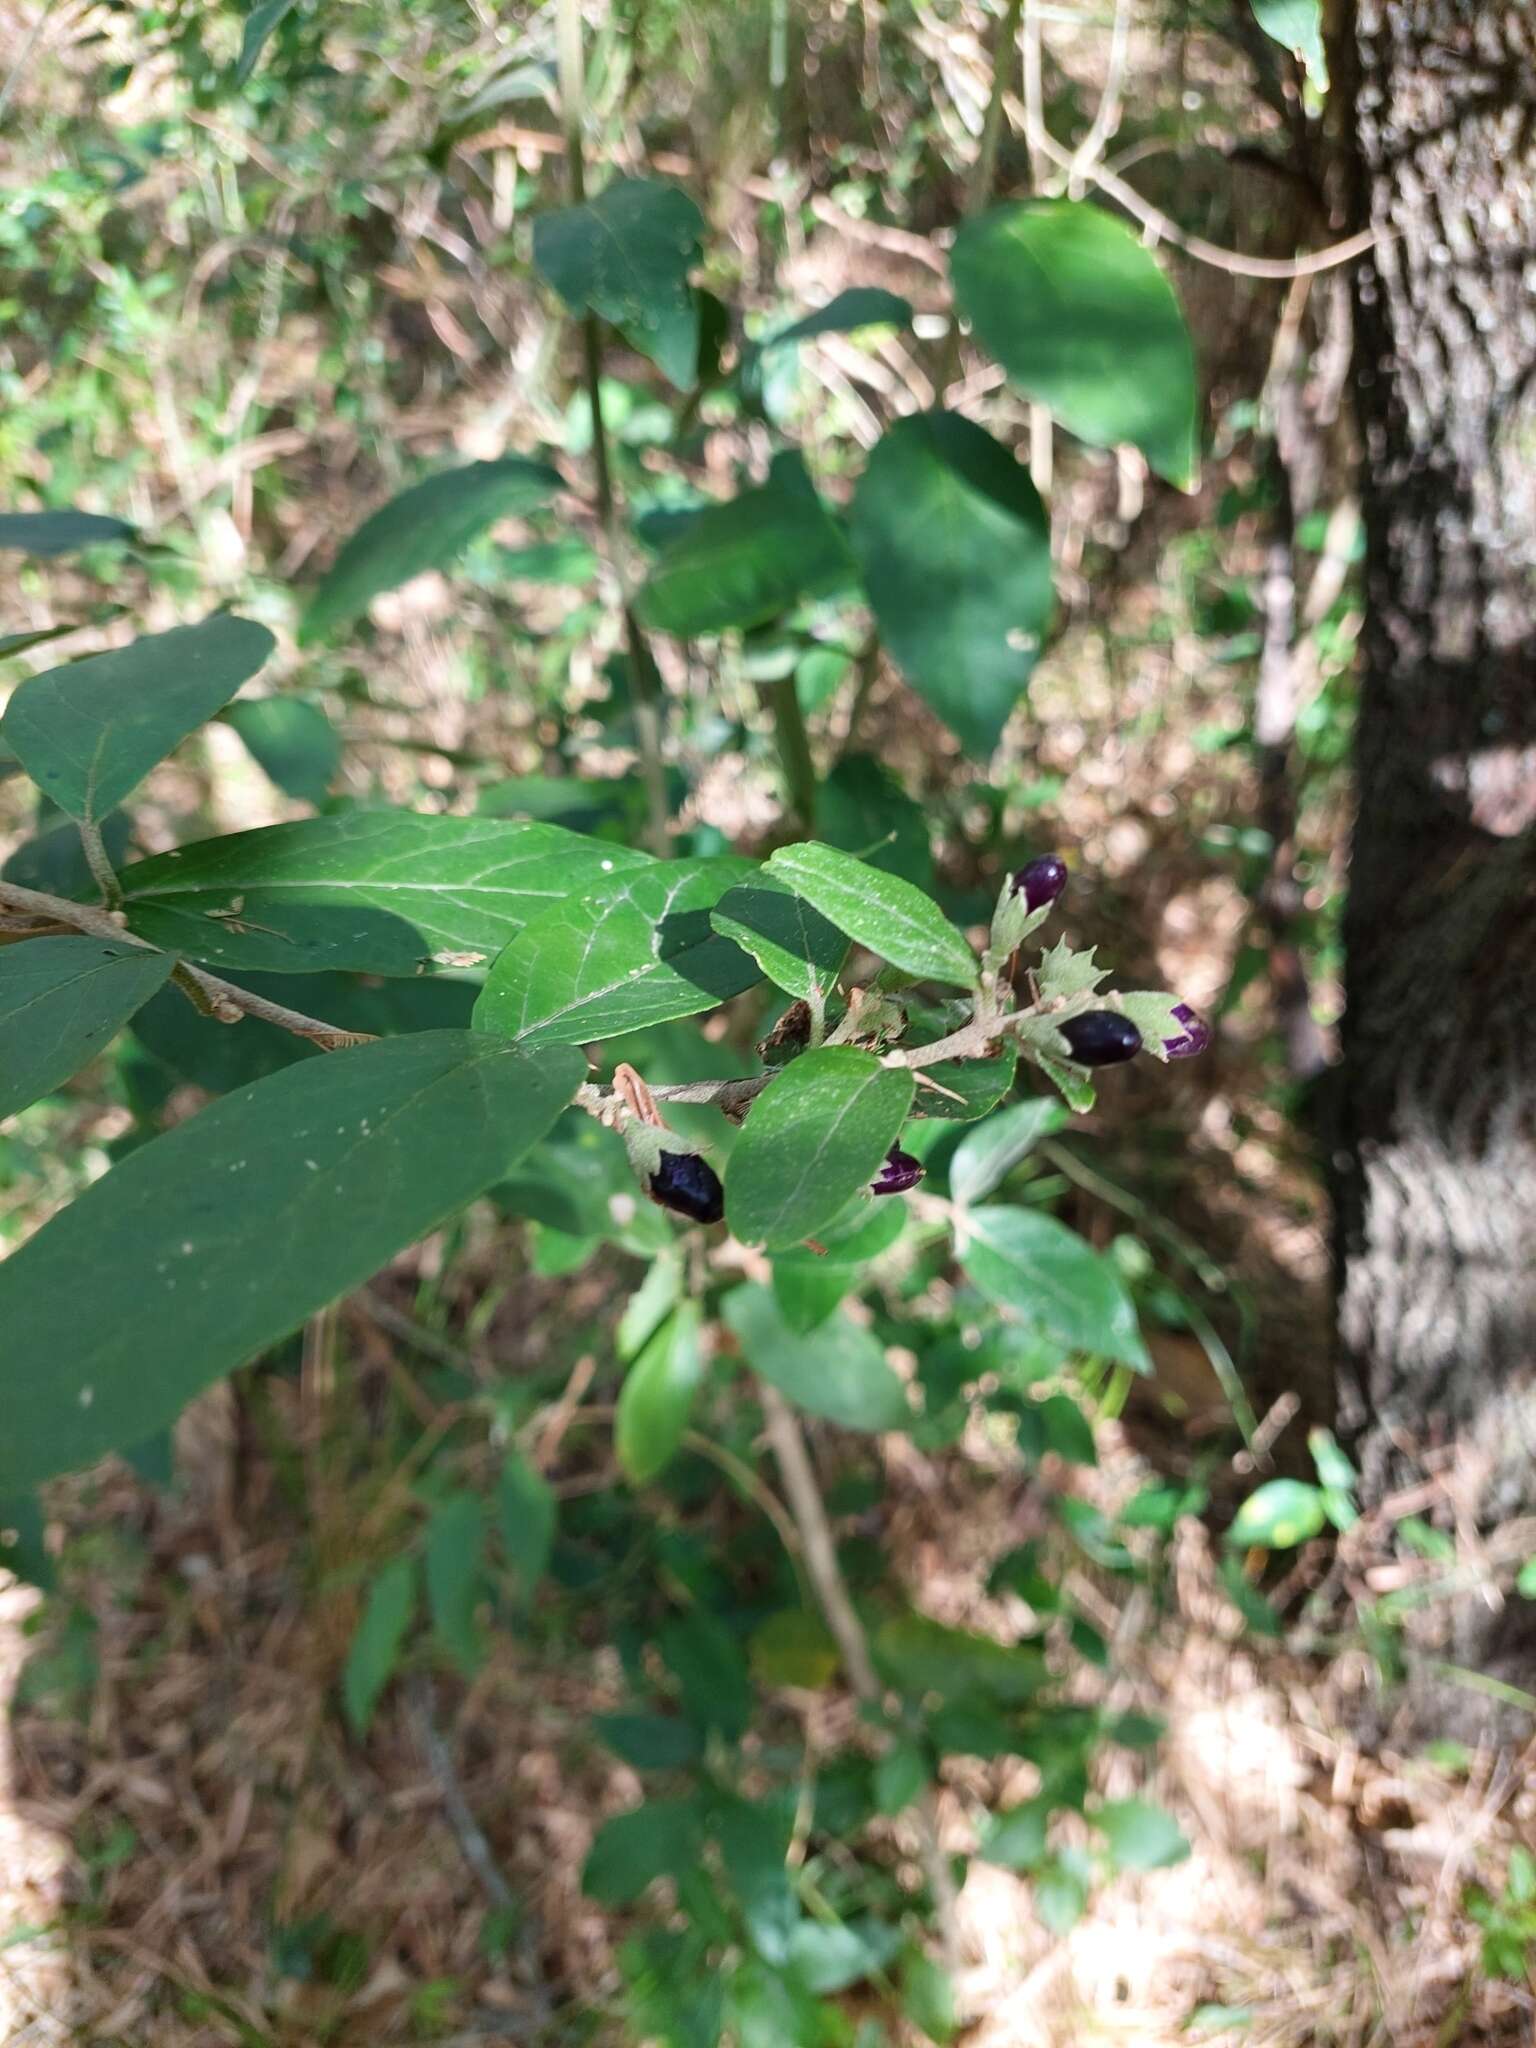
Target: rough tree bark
[{"x": 1435, "y": 102}]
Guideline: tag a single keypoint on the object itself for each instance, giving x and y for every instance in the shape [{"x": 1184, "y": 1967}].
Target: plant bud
[
  {"x": 1040, "y": 881},
  {"x": 687, "y": 1183},
  {"x": 1101, "y": 1038},
  {"x": 1192, "y": 1039},
  {"x": 900, "y": 1172}
]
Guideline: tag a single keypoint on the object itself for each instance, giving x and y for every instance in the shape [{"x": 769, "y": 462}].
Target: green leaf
[
  {"x": 259, "y": 25},
  {"x": 808, "y": 1285},
  {"x": 663, "y": 1838},
  {"x": 812, "y": 1140},
  {"x": 794, "y": 1648},
  {"x": 744, "y": 561},
  {"x": 862, "y": 305},
  {"x": 1297, "y": 25},
  {"x": 1333, "y": 1468},
  {"x": 24, "y": 1550},
  {"x": 379, "y": 1639},
  {"x": 1258, "y": 1613},
  {"x": 525, "y": 1517},
  {"x": 1525, "y": 1580},
  {"x": 638, "y": 950},
  {"x": 989, "y": 1151},
  {"x": 91, "y": 731},
  {"x": 1064, "y": 973},
  {"x": 901, "y": 1776},
  {"x": 1060, "y": 1286},
  {"x": 18, "y": 643},
  {"x": 838, "y": 1371},
  {"x": 1059, "y": 1894},
  {"x": 1281, "y": 1514},
  {"x": 922, "y": 1656},
  {"x": 928, "y": 1997},
  {"x": 754, "y": 1839},
  {"x": 794, "y": 945},
  {"x": 879, "y": 910},
  {"x": 213, "y": 1241},
  {"x": 828, "y": 1958},
  {"x": 707, "y": 1662},
  {"x": 374, "y": 892},
  {"x": 657, "y": 1397},
  {"x": 1016, "y": 1837},
  {"x": 649, "y": 1742},
  {"x": 423, "y": 528},
  {"x": 1081, "y": 318},
  {"x": 955, "y": 547},
  {"x": 626, "y": 256},
  {"x": 1140, "y": 1836},
  {"x": 60, "y": 532},
  {"x": 61, "y": 1000},
  {"x": 456, "y": 1577},
  {"x": 1068, "y": 1431},
  {"x": 292, "y": 742},
  {"x": 53, "y": 859}
]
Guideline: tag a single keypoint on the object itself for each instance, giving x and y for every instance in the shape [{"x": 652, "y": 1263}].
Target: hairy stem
[{"x": 103, "y": 874}]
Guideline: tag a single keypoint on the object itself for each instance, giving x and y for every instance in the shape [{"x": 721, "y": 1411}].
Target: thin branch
[
  {"x": 218, "y": 998},
  {"x": 1106, "y": 119}
]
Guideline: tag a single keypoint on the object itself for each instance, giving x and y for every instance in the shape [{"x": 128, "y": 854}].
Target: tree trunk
[{"x": 1436, "y": 1157}]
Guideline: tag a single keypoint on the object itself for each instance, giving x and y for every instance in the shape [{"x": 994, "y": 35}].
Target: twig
[
  {"x": 469, "y": 1834},
  {"x": 1106, "y": 119},
  {"x": 103, "y": 874},
  {"x": 219, "y": 998},
  {"x": 644, "y": 676}
]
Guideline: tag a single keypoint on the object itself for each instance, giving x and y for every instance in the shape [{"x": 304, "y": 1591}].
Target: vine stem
[
  {"x": 97, "y": 859},
  {"x": 794, "y": 747},
  {"x": 819, "y": 1550},
  {"x": 644, "y": 675},
  {"x": 212, "y": 994}
]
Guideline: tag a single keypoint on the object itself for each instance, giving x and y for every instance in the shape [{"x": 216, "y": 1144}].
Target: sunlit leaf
[
  {"x": 879, "y": 910},
  {"x": 626, "y": 255},
  {"x": 811, "y": 1141}
]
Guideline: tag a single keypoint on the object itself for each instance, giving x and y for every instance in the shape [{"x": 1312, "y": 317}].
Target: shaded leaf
[
  {"x": 900, "y": 1776},
  {"x": 91, "y": 731},
  {"x": 827, "y": 1958},
  {"x": 292, "y": 742},
  {"x": 955, "y": 547},
  {"x": 743, "y": 561},
  {"x": 794, "y": 1648},
  {"x": 637, "y": 951},
  {"x": 424, "y": 527},
  {"x": 61, "y": 1001},
  {"x": 213, "y": 1241},
  {"x": 1140, "y": 1836},
  {"x": 626, "y": 256},
  {"x": 650, "y": 1742},
  {"x": 1058, "y": 1283},
  {"x": 660, "y": 1839},
  {"x": 657, "y": 1396},
  {"x": 455, "y": 1576},
  {"x": 59, "y": 532},
  {"x": 879, "y": 910},
  {"x": 373, "y": 892},
  {"x": 989, "y": 1151},
  {"x": 1082, "y": 318},
  {"x": 862, "y": 305},
  {"x": 794, "y": 945},
  {"x": 380, "y": 1637},
  {"x": 259, "y": 26},
  {"x": 525, "y": 1518},
  {"x": 812, "y": 1140},
  {"x": 838, "y": 1370},
  {"x": 708, "y": 1664}
]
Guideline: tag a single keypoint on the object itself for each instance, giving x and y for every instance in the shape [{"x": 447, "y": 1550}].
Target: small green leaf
[
  {"x": 1068, "y": 1431},
  {"x": 812, "y": 1140},
  {"x": 638, "y": 950},
  {"x": 525, "y": 1517},
  {"x": 1525, "y": 1581},
  {"x": 754, "y": 1838},
  {"x": 61, "y": 1001},
  {"x": 1281, "y": 1514},
  {"x": 91, "y": 731},
  {"x": 808, "y": 1285},
  {"x": 292, "y": 742},
  {"x": 649, "y": 1742},
  {"x": 928, "y": 1997},
  {"x": 1258, "y": 1613},
  {"x": 1081, "y": 318},
  {"x": 380, "y": 1637},
  {"x": 657, "y": 1397},
  {"x": 989, "y": 1151},
  {"x": 373, "y": 892},
  {"x": 1059, "y": 1894},
  {"x": 1057, "y": 1283},
  {"x": 1063, "y": 973},
  {"x": 708, "y": 1664},
  {"x": 901, "y": 1775},
  {"x": 663, "y": 1838},
  {"x": 1016, "y": 1837},
  {"x": 220, "y": 1237},
  {"x": 827, "y": 1958},
  {"x": 794, "y": 945},
  {"x": 1140, "y": 1836},
  {"x": 742, "y": 562},
  {"x": 626, "y": 256},
  {"x": 862, "y": 305},
  {"x": 456, "y": 1577},
  {"x": 422, "y": 528},
  {"x": 259, "y": 26},
  {"x": 1297, "y": 25},
  {"x": 60, "y": 532},
  {"x": 879, "y": 910},
  {"x": 794, "y": 1648},
  {"x": 955, "y": 546},
  {"x": 922, "y": 1656},
  {"x": 1333, "y": 1468},
  {"x": 838, "y": 1371}
]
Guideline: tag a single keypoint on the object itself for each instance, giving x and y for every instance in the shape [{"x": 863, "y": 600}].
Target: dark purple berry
[
  {"x": 900, "y": 1172},
  {"x": 689, "y": 1184},
  {"x": 1101, "y": 1038},
  {"x": 1194, "y": 1038},
  {"x": 1041, "y": 881}
]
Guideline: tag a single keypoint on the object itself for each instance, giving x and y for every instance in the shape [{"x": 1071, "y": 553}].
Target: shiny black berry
[
  {"x": 900, "y": 1172},
  {"x": 1041, "y": 881},
  {"x": 687, "y": 1183},
  {"x": 1101, "y": 1038}
]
